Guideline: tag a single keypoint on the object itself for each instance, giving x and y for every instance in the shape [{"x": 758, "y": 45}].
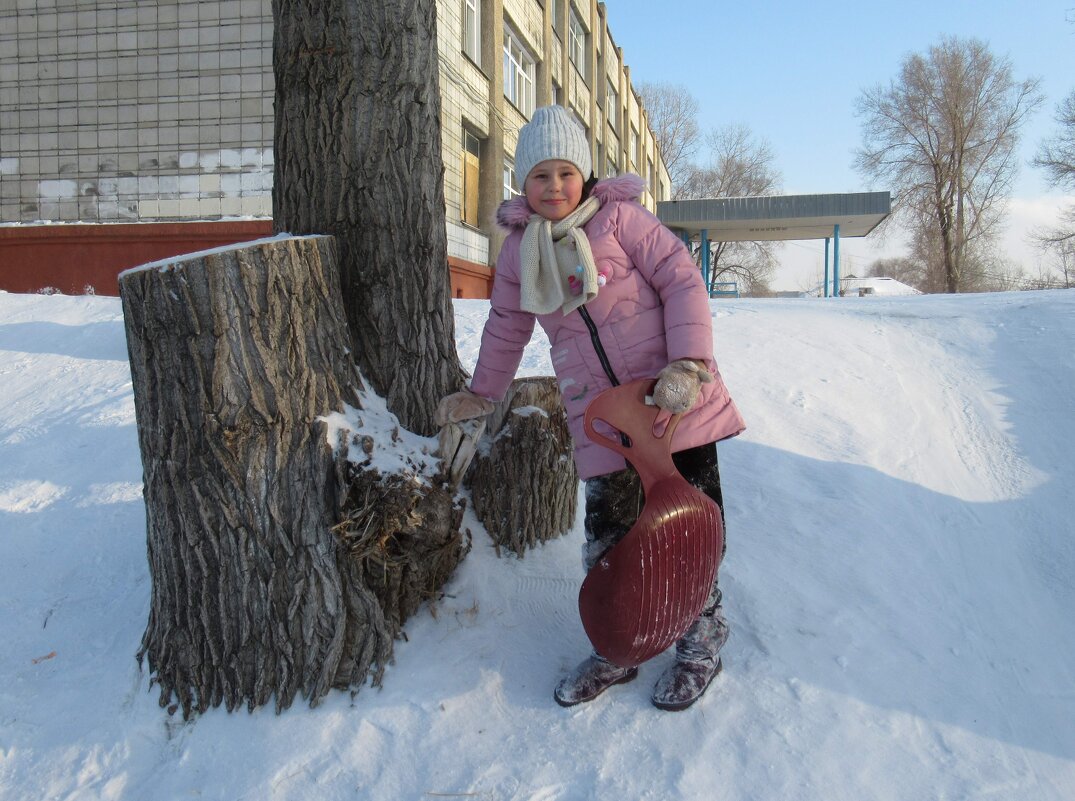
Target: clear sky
[{"x": 791, "y": 72}]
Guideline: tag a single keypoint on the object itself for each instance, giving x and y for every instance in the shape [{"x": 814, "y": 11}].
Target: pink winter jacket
[{"x": 652, "y": 310}]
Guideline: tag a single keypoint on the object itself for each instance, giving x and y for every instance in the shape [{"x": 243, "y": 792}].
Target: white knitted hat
[{"x": 552, "y": 133}]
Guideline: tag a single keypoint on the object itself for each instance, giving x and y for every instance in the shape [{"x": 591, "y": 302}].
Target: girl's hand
[
  {"x": 679, "y": 384},
  {"x": 459, "y": 406}
]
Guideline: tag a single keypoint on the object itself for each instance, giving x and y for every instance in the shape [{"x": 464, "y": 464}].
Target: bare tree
[
  {"x": 1065, "y": 257},
  {"x": 944, "y": 134},
  {"x": 281, "y": 566},
  {"x": 1056, "y": 156},
  {"x": 673, "y": 116},
  {"x": 740, "y": 165},
  {"x": 358, "y": 156},
  {"x": 1059, "y": 244},
  {"x": 900, "y": 268}
]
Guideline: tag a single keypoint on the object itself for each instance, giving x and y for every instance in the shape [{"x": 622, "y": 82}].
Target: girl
[{"x": 620, "y": 298}]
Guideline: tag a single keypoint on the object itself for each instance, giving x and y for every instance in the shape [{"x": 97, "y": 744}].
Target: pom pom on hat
[{"x": 552, "y": 133}]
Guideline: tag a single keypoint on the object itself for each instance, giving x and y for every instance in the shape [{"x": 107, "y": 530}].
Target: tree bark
[
  {"x": 523, "y": 482},
  {"x": 405, "y": 538},
  {"x": 357, "y": 155},
  {"x": 234, "y": 356}
]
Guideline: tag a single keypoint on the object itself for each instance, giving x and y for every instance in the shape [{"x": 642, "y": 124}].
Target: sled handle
[{"x": 624, "y": 408}]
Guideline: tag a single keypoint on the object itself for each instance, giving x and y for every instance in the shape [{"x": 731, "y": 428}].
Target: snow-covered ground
[{"x": 900, "y": 581}]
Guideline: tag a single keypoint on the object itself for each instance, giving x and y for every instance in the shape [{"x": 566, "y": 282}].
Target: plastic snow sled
[{"x": 646, "y": 591}]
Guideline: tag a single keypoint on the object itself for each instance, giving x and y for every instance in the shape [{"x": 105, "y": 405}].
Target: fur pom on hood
[{"x": 515, "y": 213}]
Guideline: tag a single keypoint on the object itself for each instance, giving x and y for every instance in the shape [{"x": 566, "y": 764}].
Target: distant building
[
  {"x": 157, "y": 118},
  {"x": 852, "y": 286}
]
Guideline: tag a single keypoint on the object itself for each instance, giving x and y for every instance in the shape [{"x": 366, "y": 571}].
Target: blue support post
[
  {"x": 705, "y": 258},
  {"x": 836, "y": 260},
  {"x": 825, "y": 283}
]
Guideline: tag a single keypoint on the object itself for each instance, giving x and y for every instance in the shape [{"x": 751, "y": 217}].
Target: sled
[{"x": 646, "y": 591}]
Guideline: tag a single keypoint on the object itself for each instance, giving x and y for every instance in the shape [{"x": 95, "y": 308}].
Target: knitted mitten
[
  {"x": 679, "y": 384},
  {"x": 459, "y": 406}
]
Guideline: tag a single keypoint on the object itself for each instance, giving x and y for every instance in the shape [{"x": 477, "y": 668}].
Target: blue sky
[{"x": 791, "y": 71}]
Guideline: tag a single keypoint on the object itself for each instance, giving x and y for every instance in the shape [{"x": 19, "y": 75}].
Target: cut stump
[
  {"x": 523, "y": 481},
  {"x": 257, "y": 590}
]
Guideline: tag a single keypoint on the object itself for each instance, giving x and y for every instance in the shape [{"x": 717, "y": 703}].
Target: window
[
  {"x": 471, "y": 175},
  {"x": 518, "y": 74},
  {"x": 557, "y": 15},
  {"x": 576, "y": 43},
  {"x": 509, "y": 180},
  {"x": 472, "y": 26},
  {"x": 557, "y": 94},
  {"x": 612, "y": 104},
  {"x": 633, "y": 153},
  {"x": 610, "y": 167}
]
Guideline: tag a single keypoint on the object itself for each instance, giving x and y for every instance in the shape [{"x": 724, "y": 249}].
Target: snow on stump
[
  {"x": 257, "y": 590},
  {"x": 523, "y": 481}
]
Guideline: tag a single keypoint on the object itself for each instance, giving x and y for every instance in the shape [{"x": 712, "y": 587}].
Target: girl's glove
[
  {"x": 678, "y": 385},
  {"x": 459, "y": 406}
]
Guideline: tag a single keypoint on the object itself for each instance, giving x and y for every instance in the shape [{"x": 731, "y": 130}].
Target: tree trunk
[
  {"x": 234, "y": 357},
  {"x": 358, "y": 155},
  {"x": 523, "y": 482}
]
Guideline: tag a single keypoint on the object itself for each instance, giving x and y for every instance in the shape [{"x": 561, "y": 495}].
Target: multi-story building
[{"x": 156, "y": 116}]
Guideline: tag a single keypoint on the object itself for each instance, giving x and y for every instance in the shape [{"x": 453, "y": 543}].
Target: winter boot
[
  {"x": 697, "y": 662},
  {"x": 590, "y": 679}
]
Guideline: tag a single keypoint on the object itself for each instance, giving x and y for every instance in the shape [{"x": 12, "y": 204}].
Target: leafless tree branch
[{"x": 943, "y": 135}]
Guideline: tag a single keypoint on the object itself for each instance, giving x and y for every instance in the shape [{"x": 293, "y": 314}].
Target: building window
[
  {"x": 509, "y": 180},
  {"x": 582, "y": 122},
  {"x": 471, "y": 175},
  {"x": 610, "y": 167},
  {"x": 635, "y": 155},
  {"x": 557, "y": 94},
  {"x": 472, "y": 26},
  {"x": 518, "y": 74},
  {"x": 576, "y": 43},
  {"x": 557, "y": 15},
  {"x": 612, "y": 105}
]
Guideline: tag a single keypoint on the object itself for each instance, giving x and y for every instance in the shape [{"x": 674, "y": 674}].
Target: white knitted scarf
[{"x": 550, "y": 254}]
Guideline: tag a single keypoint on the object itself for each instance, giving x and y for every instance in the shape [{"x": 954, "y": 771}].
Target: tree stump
[
  {"x": 234, "y": 357},
  {"x": 523, "y": 481}
]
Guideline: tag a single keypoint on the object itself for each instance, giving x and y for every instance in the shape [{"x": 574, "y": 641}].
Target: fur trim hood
[{"x": 515, "y": 213}]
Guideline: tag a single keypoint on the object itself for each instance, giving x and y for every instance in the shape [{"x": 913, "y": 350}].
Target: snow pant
[{"x": 614, "y": 502}]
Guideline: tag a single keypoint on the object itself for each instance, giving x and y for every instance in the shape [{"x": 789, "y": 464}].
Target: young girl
[{"x": 620, "y": 298}]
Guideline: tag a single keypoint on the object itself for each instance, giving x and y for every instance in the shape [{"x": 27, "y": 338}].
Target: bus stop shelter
[{"x": 777, "y": 217}]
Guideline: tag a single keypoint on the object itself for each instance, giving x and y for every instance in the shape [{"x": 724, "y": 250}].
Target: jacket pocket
[{"x": 641, "y": 343}]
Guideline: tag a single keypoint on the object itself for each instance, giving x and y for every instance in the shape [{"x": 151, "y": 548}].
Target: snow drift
[{"x": 898, "y": 580}]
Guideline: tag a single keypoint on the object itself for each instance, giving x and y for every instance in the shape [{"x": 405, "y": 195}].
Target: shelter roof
[{"x": 777, "y": 217}]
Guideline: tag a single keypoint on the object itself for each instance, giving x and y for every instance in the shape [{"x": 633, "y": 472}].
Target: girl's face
[{"x": 554, "y": 189}]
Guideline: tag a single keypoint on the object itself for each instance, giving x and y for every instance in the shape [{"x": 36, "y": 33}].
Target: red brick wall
[
  {"x": 470, "y": 280},
  {"x": 73, "y": 257}
]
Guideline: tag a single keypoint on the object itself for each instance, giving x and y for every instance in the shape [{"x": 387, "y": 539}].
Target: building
[
  {"x": 878, "y": 286},
  {"x": 853, "y": 286},
  {"x": 155, "y": 116}
]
